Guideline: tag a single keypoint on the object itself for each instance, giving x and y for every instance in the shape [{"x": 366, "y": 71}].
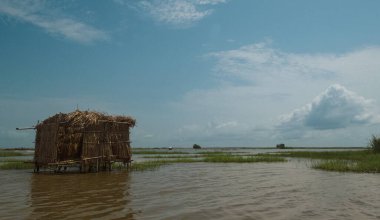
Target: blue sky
[{"x": 212, "y": 72}]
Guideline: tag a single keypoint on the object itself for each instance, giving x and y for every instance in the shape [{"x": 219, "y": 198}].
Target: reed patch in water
[
  {"x": 16, "y": 165},
  {"x": 8, "y": 153},
  {"x": 157, "y": 152},
  {"x": 147, "y": 165},
  {"x": 209, "y": 153},
  {"x": 172, "y": 156},
  {"x": 327, "y": 155},
  {"x": 152, "y": 164},
  {"x": 361, "y": 161},
  {"x": 363, "y": 166},
  {"x": 242, "y": 159}
]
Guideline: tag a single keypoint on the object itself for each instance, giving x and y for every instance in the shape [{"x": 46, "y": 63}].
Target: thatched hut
[{"x": 85, "y": 138}]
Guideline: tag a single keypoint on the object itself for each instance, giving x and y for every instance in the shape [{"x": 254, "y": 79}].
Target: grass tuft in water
[
  {"x": 361, "y": 161},
  {"x": 157, "y": 152},
  {"x": 328, "y": 155},
  {"x": 334, "y": 165},
  {"x": 7, "y": 153},
  {"x": 16, "y": 165},
  {"x": 368, "y": 166},
  {"x": 147, "y": 165},
  {"x": 172, "y": 156},
  {"x": 210, "y": 153},
  {"x": 153, "y": 164},
  {"x": 242, "y": 159}
]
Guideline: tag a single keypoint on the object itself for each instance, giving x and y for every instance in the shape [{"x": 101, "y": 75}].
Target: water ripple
[{"x": 193, "y": 191}]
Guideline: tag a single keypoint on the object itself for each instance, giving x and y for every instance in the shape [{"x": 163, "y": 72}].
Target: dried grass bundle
[{"x": 87, "y": 118}]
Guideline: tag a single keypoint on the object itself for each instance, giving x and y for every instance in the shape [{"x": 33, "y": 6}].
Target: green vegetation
[
  {"x": 172, "y": 156},
  {"x": 167, "y": 158},
  {"x": 242, "y": 159},
  {"x": 374, "y": 144},
  {"x": 206, "y": 157},
  {"x": 210, "y": 153},
  {"x": 152, "y": 164},
  {"x": 359, "y": 160},
  {"x": 362, "y": 161},
  {"x": 370, "y": 166},
  {"x": 196, "y": 146},
  {"x": 342, "y": 155},
  {"x": 8, "y": 153},
  {"x": 221, "y": 157},
  {"x": 16, "y": 165},
  {"x": 334, "y": 165},
  {"x": 155, "y": 164},
  {"x": 157, "y": 152},
  {"x": 10, "y": 160},
  {"x": 147, "y": 165},
  {"x": 13, "y": 163}
]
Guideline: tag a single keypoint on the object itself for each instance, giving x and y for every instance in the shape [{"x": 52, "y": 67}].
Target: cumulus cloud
[
  {"x": 335, "y": 108},
  {"x": 40, "y": 15},
  {"x": 259, "y": 83},
  {"x": 178, "y": 13}
]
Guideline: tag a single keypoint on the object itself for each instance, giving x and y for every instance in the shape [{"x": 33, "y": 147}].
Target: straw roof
[{"x": 86, "y": 118}]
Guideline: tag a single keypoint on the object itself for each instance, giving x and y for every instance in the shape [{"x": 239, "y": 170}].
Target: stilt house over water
[{"x": 86, "y": 139}]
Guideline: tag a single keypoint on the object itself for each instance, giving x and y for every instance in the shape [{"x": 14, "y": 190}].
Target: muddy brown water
[{"x": 290, "y": 190}]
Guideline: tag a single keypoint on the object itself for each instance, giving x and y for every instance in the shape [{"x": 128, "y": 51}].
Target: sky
[{"x": 219, "y": 73}]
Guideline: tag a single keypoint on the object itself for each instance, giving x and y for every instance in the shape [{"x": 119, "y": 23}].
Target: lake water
[{"x": 290, "y": 190}]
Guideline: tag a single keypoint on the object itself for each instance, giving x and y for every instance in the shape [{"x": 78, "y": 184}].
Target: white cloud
[
  {"x": 40, "y": 15},
  {"x": 178, "y": 13},
  {"x": 209, "y": 128},
  {"x": 148, "y": 136},
  {"x": 259, "y": 63},
  {"x": 259, "y": 83},
  {"x": 335, "y": 108},
  {"x": 209, "y": 2}
]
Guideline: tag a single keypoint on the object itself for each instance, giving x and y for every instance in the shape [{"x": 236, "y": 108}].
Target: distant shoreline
[
  {"x": 17, "y": 148},
  {"x": 286, "y": 148}
]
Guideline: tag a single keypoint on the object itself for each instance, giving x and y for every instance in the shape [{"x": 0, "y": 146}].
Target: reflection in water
[
  {"x": 80, "y": 196},
  {"x": 14, "y": 191}
]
